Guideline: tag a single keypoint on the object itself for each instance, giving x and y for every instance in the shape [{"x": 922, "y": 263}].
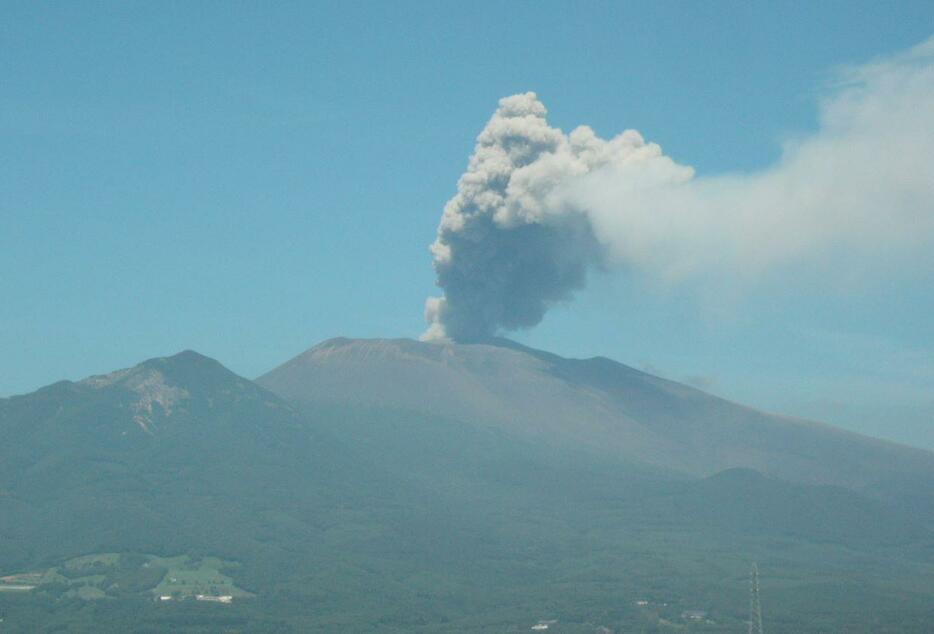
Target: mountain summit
[
  {"x": 596, "y": 405},
  {"x": 394, "y": 485}
]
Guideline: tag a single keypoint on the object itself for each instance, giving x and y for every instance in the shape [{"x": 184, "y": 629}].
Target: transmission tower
[{"x": 755, "y": 610}]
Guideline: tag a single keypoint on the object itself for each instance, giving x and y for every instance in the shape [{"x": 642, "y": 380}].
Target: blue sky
[{"x": 247, "y": 180}]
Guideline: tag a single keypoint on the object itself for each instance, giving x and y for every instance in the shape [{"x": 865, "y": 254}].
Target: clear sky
[{"x": 247, "y": 179}]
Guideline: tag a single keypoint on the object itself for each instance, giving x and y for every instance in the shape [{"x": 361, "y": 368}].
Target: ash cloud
[
  {"x": 508, "y": 245},
  {"x": 538, "y": 209}
]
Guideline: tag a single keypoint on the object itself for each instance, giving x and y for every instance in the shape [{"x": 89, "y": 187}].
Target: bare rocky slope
[{"x": 596, "y": 405}]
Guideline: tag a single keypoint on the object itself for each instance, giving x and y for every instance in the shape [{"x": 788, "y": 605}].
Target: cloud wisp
[{"x": 537, "y": 209}]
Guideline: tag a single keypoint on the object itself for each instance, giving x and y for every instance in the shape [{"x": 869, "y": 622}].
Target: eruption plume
[{"x": 537, "y": 209}]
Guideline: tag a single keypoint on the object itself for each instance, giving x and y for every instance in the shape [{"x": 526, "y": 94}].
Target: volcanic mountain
[
  {"x": 393, "y": 485},
  {"x": 593, "y": 405}
]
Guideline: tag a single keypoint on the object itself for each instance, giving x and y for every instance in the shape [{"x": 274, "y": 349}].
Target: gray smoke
[
  {"x": 507, "y": 248},
  {"x": 537, "y": 209}
]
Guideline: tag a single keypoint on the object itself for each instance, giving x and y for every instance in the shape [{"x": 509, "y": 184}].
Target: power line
[{"x": 755, "y": 608}]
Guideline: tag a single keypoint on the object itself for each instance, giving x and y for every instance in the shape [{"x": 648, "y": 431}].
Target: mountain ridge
[
  {"x": 596, "y": 403},
  {"x": 349, "y": 512}
]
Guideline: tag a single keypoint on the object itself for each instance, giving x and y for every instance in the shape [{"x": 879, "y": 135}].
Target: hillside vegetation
[{"x": 332, "y": 514}]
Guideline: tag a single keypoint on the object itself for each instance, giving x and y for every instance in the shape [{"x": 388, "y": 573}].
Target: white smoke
[{"x": 538, "y": 208}]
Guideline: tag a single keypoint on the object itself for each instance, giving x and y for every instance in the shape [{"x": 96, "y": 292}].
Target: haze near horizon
[
  {"x": 551, "y": 317},
  {"x": 248, "y": 195}
]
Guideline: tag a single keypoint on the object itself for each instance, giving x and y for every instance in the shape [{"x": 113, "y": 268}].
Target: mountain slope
[
  {"x": 593, "y": 404},
  {"x": 362, "y": 509},
  {"x": 164, "y": 458}
]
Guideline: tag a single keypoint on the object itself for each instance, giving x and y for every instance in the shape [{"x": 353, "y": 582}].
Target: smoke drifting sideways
[
  {"x": 538, "y": 209},
  {"x": 510, "y": 243}
]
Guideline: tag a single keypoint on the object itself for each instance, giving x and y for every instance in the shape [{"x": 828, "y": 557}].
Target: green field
[
  {"x": 187, "y": 577},
  {"x": 114, "y": 575}
]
